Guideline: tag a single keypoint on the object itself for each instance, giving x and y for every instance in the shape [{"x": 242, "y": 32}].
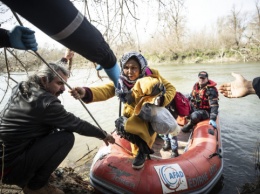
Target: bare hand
[
  {"x": 238, "y": 88},
  {"x": 69, "y": 54},
  {"x": 78, "y": 92},
  {"x": 109, "y": 139}
]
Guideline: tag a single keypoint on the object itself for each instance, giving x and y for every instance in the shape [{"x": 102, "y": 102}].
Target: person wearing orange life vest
[{"x": 204, "y": 102}]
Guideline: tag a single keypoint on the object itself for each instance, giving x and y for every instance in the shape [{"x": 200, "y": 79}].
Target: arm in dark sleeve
[
  {"x": 256, "y": 86},
  {"x": 62, "y": 21},
  {"x": 213, "y": 102},
  {"x": 55, "y": 115},
  {"x": 4, "y": 38}
]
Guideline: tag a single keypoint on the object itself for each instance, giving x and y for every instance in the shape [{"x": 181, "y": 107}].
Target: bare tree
[
  {"x": 257, "y": 6},
  {"x": 236, "y": 25},
  {"x": 255, "y": 23},
  {"x": 173, "y": 21},
  {"x": 253, "y": 33}
]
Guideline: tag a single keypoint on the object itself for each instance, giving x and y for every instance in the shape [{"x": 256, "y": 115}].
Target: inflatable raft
[{"x": 196, "y": 170}]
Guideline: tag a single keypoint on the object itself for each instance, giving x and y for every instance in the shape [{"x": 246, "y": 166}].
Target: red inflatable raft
[{"x": 196, "y": 170}]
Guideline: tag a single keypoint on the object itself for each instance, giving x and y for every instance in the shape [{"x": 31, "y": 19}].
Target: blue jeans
[{"x": 173, "y": 140}]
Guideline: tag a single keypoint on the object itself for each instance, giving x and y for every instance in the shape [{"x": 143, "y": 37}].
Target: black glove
[
  {"x": 158, "y": 88},
  {"x": 120, "y": 130},
  {"x": 120, "y": 126}
]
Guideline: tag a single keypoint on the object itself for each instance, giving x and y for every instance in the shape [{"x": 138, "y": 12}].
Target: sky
[
  {"x": 201, "y": 13},
  {"x": 205, "y": 12}
]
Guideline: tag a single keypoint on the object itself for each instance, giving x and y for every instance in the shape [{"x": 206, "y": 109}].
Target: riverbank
[
  {"x": 153, "y": 60},
  {"x": 72, "y": 180}
]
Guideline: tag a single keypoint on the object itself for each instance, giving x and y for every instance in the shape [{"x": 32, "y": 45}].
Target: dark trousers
[
  {"x": 34, "y": 167},
  {"x": 198, "y": 115}
]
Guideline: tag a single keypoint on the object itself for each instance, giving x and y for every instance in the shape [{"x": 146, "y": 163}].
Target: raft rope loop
[{"x": 218, "y": 149}]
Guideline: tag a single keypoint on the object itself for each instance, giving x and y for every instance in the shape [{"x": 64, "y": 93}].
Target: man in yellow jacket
[{"x": 137, "y": 86}]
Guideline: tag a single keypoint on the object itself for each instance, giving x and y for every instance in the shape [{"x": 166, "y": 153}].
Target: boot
[
  {"x": 47, "y": 189},
  {"x": 167, "y": 145},
  {"x": 174, "y": 153},
  {"x": 187, "y": 127},
  {"x": 139, "y": 160}
]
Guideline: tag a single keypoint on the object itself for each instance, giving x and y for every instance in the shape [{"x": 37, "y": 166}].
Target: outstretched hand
[
  {"x": 22, "y": 38},
  {"x": 78, "y": 92},
  {"x": 69, "y": 54},
  {"x": 235, "y": 89}
]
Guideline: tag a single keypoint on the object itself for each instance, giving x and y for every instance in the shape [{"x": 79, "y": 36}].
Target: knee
[
  {"x": 68, "y": 138},
  {"x": 194, "y": 118}
]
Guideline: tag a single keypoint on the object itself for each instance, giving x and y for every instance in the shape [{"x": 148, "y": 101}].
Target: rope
[
  {"x": 37, "y": 54},
  {"x": 83, "y": 104}
]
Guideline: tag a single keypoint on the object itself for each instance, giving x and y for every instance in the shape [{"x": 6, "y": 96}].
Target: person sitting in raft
[
  {"x": 204, "y": 102},
  {"x": 138, "y": 85}
]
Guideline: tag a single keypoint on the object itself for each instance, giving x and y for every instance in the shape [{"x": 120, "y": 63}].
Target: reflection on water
[{"x": 239, "y": 118}]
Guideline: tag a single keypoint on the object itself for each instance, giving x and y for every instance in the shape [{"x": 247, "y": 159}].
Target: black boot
[
  {"x": 139, "y": 160},
  {"x": 174, "y": 153},
  {"x": 167, "y": 145},
  {"x": 187, "y": 127}
]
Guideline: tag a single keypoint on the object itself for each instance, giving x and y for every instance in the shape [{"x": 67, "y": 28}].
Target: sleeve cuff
[
  {"x": 4, "y": 38},
  {"x": 256, "y": 86},
  {"x": 64, "y": 60},
  {"x": 88, "y": 96}
]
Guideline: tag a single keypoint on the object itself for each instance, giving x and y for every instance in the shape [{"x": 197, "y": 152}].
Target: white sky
[
  {"x": 201, "y": 13},
  {"x": 205, "y": 12}
]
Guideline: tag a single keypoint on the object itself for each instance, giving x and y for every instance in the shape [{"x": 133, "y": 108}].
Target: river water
[{"x": 239, "y": 118}]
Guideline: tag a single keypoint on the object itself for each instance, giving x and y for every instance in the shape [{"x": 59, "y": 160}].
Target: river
[{"x": 239, "y": 118}]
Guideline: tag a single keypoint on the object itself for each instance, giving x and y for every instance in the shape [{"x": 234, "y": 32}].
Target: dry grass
[{"x": 65, "y": 179}]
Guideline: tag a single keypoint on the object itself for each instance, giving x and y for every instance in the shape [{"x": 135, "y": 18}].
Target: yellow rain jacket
[{"x": 141, "y": 93}]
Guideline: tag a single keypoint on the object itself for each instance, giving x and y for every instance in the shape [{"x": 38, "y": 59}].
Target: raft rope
[
  {"x": 218, "y": 150},
  {"x": 128, "y": 151}
]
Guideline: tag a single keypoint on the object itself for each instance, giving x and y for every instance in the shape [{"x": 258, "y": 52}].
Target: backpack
[{"x": 180, "y": 105}]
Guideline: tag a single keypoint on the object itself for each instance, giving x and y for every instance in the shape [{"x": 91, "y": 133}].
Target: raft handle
[
  {"x": 215, "y": 154},
  {"x": 211, "y": 131}
]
